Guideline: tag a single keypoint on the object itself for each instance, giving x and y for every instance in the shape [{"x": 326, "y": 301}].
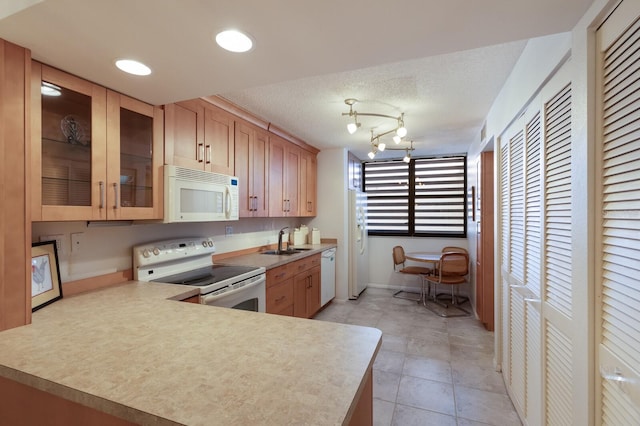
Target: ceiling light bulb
[
  {"x": 371, "y": 155},
  {"x": 234, "y": 41},
  {"x": 382, "y": 146},
  {"x": 48, "y": 89},
  {"x": 133, "y": 67},
  {"x": 407, "y": 158},
  {"x": 352, "y": 127},
  {"x": 401, "y": 131},
  {"x": 397, "y": 139}
]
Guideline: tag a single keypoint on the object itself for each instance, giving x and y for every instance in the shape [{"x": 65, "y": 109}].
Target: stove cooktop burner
[{"x": 208, "y": 275}]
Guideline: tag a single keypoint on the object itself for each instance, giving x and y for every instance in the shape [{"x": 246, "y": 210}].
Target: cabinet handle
[
  {"x": 280, "y": 299},
  {"x": 200, "y": 153},
  {"x": 281, "y": 275},
  {"x": 208, "y": 158},
  {"x": 309, "y": 209},
  {"x": 255, "y": 199},
  {"x": 101, "y": 194},
  {"x": 115, "y": 191}
]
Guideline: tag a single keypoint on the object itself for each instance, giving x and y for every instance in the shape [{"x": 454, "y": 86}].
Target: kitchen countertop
[
  {"x": 269, "y": 261},
  {"x": 132, "y": 352}
]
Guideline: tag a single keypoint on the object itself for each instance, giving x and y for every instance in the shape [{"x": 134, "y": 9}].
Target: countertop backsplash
[{"x": 107, "y": 249}]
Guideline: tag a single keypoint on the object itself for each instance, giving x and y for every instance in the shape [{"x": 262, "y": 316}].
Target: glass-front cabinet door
[
  {"x": 69, "y": 140},
  {"x": 134, "y": 158},
  {"x": 97, "y": 155}
]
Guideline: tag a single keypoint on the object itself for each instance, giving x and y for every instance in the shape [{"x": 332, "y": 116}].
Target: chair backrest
[
  {"x": 454, "y": 249},
  {"x": 454, "y": 263},
  {"x": 398, "y": 256}
]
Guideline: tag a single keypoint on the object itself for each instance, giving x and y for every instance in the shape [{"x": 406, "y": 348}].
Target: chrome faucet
[{"x": 280, "y": 234}]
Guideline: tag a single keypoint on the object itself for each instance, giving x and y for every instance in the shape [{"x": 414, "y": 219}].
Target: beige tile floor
[{"x": 429, "y": 370}]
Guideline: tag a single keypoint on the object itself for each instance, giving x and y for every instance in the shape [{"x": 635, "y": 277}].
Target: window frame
[{"x": 411, "y": 198}]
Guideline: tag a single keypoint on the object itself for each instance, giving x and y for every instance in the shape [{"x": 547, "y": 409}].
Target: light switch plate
[{"x": 58, "y": 238}]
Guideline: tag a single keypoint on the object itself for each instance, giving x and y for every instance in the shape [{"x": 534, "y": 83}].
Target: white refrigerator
[{"x": 358, "y": 250}]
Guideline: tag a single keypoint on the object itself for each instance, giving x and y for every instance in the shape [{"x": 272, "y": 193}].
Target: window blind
[{"x": 425, "y": 197}]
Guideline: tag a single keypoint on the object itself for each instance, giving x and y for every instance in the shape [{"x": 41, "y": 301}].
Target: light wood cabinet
[
  {"x": 279, "y": 289},
  {"x": 306, "y": 293},
  {"x": 96, "y": 154},
  {"x": 251, "y": 167},
  {"x": 308, "y": 183},
  {"x": 15, "y": 188},
  {"x": 284, "y": 177},
  {"x": 199, "y": 136},
  {"x": 294, "y": 288},
  {"x": 484, "y": 262}
]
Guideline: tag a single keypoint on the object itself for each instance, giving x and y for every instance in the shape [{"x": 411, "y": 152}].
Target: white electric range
[{"x": 188, "y": 261}]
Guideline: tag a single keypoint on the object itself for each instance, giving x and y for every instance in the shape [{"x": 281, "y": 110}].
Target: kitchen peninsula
[{"x": 135, "y": 352}]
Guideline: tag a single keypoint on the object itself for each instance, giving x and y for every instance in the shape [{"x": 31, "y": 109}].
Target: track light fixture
[
  {"x": 377, "y": 146},
  {"x": 399, "y": 130}
]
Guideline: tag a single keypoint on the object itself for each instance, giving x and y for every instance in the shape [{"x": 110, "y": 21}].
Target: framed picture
[{"x": 46, "y": 287}]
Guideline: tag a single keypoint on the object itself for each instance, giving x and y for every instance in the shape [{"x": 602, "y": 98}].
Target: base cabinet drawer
[
  {"x": 294, "y": 288},
  {"x": 280, "y": 297}
]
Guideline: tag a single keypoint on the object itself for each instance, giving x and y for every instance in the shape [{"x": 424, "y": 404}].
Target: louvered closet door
[
  {"x": 520, "y": 259},
  {"x": 536, "y": 285},
  {"x": 618, "y": 188},
  {"x": 557, "y": 324}
]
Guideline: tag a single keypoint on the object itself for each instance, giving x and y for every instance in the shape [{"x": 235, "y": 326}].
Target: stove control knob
[
  {"x": 146, "y": 253},
  {"x": 210, "y": 243},
  {"x": 204, "y": 243},
  {"x": 156, "y": 251}
]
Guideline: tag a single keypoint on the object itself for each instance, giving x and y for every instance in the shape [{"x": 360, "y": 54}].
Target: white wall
[
  {"x": 381, "y": 272},
  {"x": 332, "y": 218},
  {"x": 108, "y": 249}
]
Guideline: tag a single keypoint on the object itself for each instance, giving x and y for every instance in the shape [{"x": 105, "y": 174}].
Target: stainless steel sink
[{"x": 284, "y": 252}]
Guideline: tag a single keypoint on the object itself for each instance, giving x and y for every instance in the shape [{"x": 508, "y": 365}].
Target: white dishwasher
[{"x": 328, "y": 276}]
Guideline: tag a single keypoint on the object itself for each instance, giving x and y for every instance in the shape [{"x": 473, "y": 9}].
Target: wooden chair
[
  {"x": 454, "y": 249},
  {"x": 452, "y": 270},
  {"x": 399, "y": 258}
]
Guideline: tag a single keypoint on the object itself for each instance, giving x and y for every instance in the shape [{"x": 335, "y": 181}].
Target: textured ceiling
[
  {"x": 444, "y": 98},
  {"x": 398, "y": 55}
]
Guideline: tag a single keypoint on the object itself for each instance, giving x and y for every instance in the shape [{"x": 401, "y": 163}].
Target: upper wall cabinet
[
  {"x": 96, "y": 154},
  {"x": 284, "y": 177},
  {"x": 251, "y": 167},
  {"x": 199, "y": 135},
  {"x": 308, "y": 183}
]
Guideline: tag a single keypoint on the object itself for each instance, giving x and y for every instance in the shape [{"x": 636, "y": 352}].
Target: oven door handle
[{"x": 208, "y": 300}]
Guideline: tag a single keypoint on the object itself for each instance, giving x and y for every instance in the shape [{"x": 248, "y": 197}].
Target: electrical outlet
[
  {"x": 228, "y": 230},
  {"x": 58, "y": 239}
]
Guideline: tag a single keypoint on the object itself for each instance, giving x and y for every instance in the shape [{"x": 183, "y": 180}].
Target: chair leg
[
  {"x": 455, "y": 303},
  {"x": 398, "y": 294}
]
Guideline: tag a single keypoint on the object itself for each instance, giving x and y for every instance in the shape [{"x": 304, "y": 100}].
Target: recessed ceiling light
[
  {"x": 133, "y": 67},
  {"x": 48, "y": 89},
  {"x": 234, "y": 41}
]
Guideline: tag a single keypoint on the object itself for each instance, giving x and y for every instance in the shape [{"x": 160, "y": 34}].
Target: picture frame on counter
[{"x": 46, "y": 287}]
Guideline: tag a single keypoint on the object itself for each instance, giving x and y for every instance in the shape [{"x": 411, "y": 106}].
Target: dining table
[
  {"x": 428, "y": 257},
  {"x": 424, "y": 256}
]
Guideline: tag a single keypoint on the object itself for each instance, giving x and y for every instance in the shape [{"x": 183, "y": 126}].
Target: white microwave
[{"x": 198, "y": 196}]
